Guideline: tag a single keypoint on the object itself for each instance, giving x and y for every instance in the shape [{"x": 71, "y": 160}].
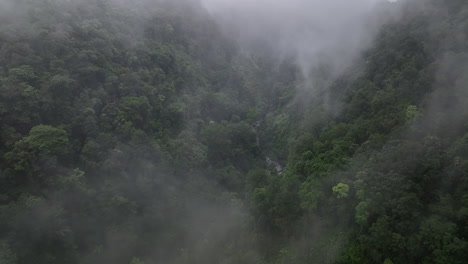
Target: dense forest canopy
[{"x": 171, "y": 132}]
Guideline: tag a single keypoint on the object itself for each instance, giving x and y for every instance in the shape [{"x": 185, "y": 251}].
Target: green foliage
[
  {"x": 387, "y": 261},
  {"x": 311, "y": 194},
  {"x": 136, "y": 261},
  {"x": 341, "y": 190},
  {"x": 23, "y": 73},
  {"x": 46, "y": 140},
  {"x": 354, "y": 254},
  {"x": 411, "y": 113},
  {"x": 135, "y": 110},
  {"x": 362, "y": 213}
]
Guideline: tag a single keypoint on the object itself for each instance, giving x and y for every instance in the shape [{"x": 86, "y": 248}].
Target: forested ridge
[{"x": 141, "y": 133}]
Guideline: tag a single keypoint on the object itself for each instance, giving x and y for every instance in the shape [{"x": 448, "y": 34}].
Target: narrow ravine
[{"x": 269, "y": 161}]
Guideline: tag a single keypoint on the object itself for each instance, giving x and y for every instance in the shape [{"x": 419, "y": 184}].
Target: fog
[{"x": 315, "y": 32}]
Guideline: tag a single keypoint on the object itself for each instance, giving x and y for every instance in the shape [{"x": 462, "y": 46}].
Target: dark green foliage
[
  {"x": 390, "y": 147},
  {"x": 104, "y": 145}
]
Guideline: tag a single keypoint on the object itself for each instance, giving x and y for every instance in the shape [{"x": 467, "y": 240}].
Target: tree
[
  {"x": 341, "y": 190},
  {"x": 47, "y": 140}
]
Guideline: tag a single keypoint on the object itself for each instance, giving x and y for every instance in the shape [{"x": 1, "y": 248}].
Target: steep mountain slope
[
  {"x": 382, "y": 179},
  {"x": 106, "y": 143}
]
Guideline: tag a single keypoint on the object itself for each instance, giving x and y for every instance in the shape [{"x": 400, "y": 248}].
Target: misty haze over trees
[{"x": 233, "y": 132}]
